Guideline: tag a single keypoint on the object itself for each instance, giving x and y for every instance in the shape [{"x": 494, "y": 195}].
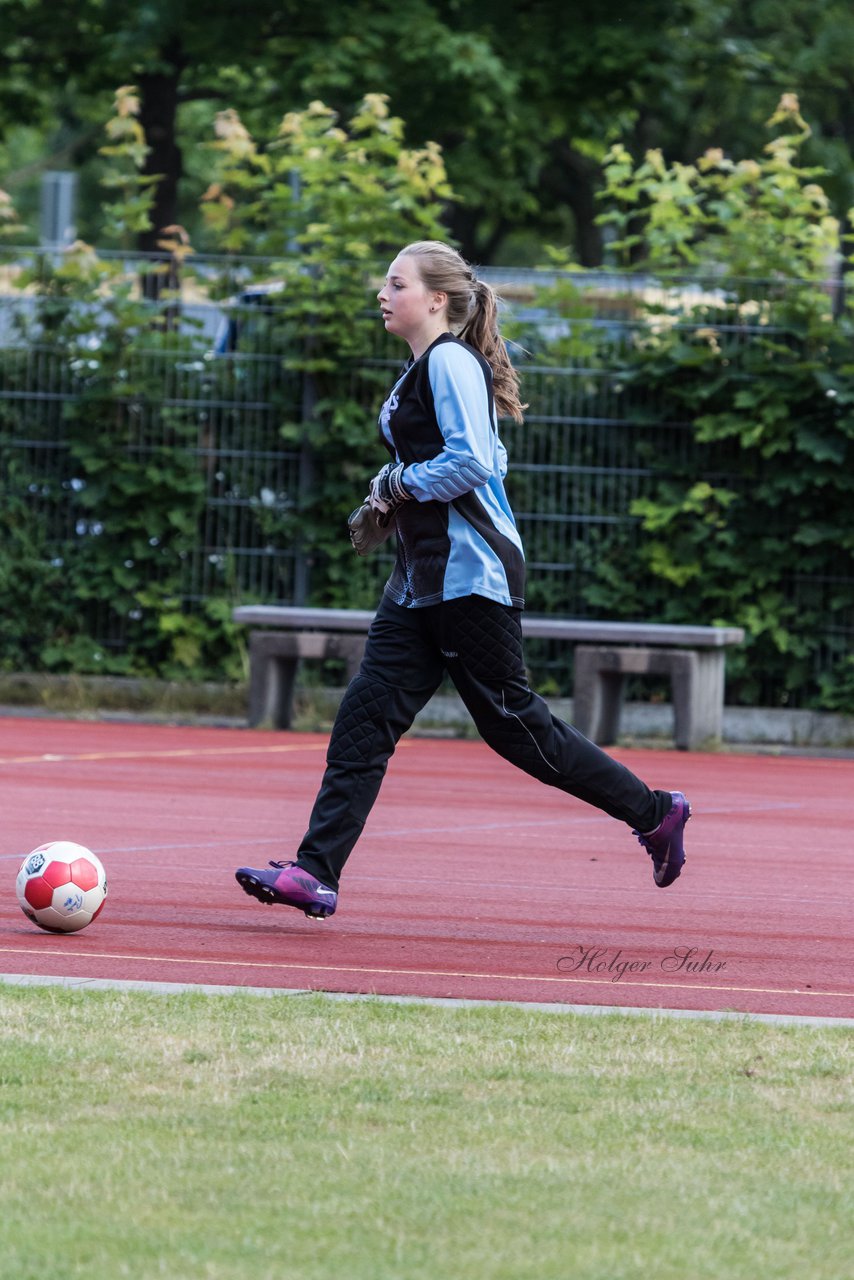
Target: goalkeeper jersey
[{"x": 458, "y": 536}]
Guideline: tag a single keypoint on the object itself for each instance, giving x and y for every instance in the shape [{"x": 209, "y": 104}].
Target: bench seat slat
[{"x": 585, "y": 631}]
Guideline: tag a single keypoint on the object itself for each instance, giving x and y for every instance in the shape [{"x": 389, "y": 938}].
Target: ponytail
[{"x": 482, "y": 332}]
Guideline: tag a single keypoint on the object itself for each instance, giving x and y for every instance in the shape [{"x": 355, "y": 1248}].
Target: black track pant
[{"x": 479, "y": 644}]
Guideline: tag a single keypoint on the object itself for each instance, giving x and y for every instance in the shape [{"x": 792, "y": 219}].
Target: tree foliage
[{"x": 524, "y": 100}]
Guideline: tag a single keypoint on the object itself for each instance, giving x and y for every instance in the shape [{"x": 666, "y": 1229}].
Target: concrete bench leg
[
  {"x": 597, "y": 697},
  {"x": 272, "y": 673},
  {"x": 706, "y": 720},
  {"x": 350, "y": 650},
  {"x": 697, "y": 681},
  {"x": 274, "y": 658}
]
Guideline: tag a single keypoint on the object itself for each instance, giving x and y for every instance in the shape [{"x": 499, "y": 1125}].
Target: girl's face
[{"x": 408, "y": 310}]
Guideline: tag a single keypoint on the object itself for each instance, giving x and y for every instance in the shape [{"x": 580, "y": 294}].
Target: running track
[{"x": 471, "y": 881}]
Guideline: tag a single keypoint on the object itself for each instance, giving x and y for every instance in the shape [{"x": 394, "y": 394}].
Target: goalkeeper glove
[
  {"x": 388, "y": 492},
  {"x": 366, "y": 532}
]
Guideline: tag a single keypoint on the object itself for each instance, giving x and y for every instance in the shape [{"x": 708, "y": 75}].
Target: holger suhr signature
[{"x": 610, "y": 960}]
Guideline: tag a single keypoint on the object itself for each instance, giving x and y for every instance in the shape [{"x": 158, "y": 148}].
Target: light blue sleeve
[
  {"x": 471, "y": 451},
  {"x": 502, "y": 459}
]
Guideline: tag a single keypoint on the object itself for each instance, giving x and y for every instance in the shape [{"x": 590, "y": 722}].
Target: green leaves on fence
[
  {"x": 734, "y": 396},
  {"x": 99, "y": 567},
  {"x": 751, "y": 524}
]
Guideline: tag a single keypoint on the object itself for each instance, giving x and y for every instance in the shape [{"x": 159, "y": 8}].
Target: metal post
[{"x": 58, "y": 202}]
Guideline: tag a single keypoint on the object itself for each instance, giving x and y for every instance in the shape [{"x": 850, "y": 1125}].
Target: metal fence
[{"x": 577, "y": 464}]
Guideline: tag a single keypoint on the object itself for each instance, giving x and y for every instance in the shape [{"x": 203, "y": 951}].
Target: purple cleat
[
  {"x": 290, "y": 885},
  {"x": 664, "y": 844}
]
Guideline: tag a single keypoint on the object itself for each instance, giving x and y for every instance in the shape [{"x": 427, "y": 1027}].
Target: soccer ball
[{"x": 61, "y": 886}]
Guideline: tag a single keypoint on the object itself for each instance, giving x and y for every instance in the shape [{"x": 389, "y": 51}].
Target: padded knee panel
[{"x": 364, "y": 731}]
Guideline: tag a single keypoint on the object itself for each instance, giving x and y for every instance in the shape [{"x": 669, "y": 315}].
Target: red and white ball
[{"x": 61, "y": 886}]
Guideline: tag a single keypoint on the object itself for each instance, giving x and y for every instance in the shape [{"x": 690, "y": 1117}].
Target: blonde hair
[{"x": 472, "y": 315}]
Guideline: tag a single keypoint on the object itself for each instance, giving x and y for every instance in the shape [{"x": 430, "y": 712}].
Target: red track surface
[{"x": 471, "y": 880}]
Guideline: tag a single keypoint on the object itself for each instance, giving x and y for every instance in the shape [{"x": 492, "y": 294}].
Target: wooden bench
[{"x": 605, "y": 654}]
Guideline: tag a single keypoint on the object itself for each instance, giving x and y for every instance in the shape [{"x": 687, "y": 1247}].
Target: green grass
[{"x": 301, "y": 1138}]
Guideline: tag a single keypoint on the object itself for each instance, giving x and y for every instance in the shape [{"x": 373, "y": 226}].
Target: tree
[
  {"x": 524, "y": 100},
  {"x": 174, "y": 53},
  {"x": 515, "y": 99}
]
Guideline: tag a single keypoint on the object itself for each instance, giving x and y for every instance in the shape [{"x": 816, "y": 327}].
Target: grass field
[{"x": 204, "y": 1137}]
